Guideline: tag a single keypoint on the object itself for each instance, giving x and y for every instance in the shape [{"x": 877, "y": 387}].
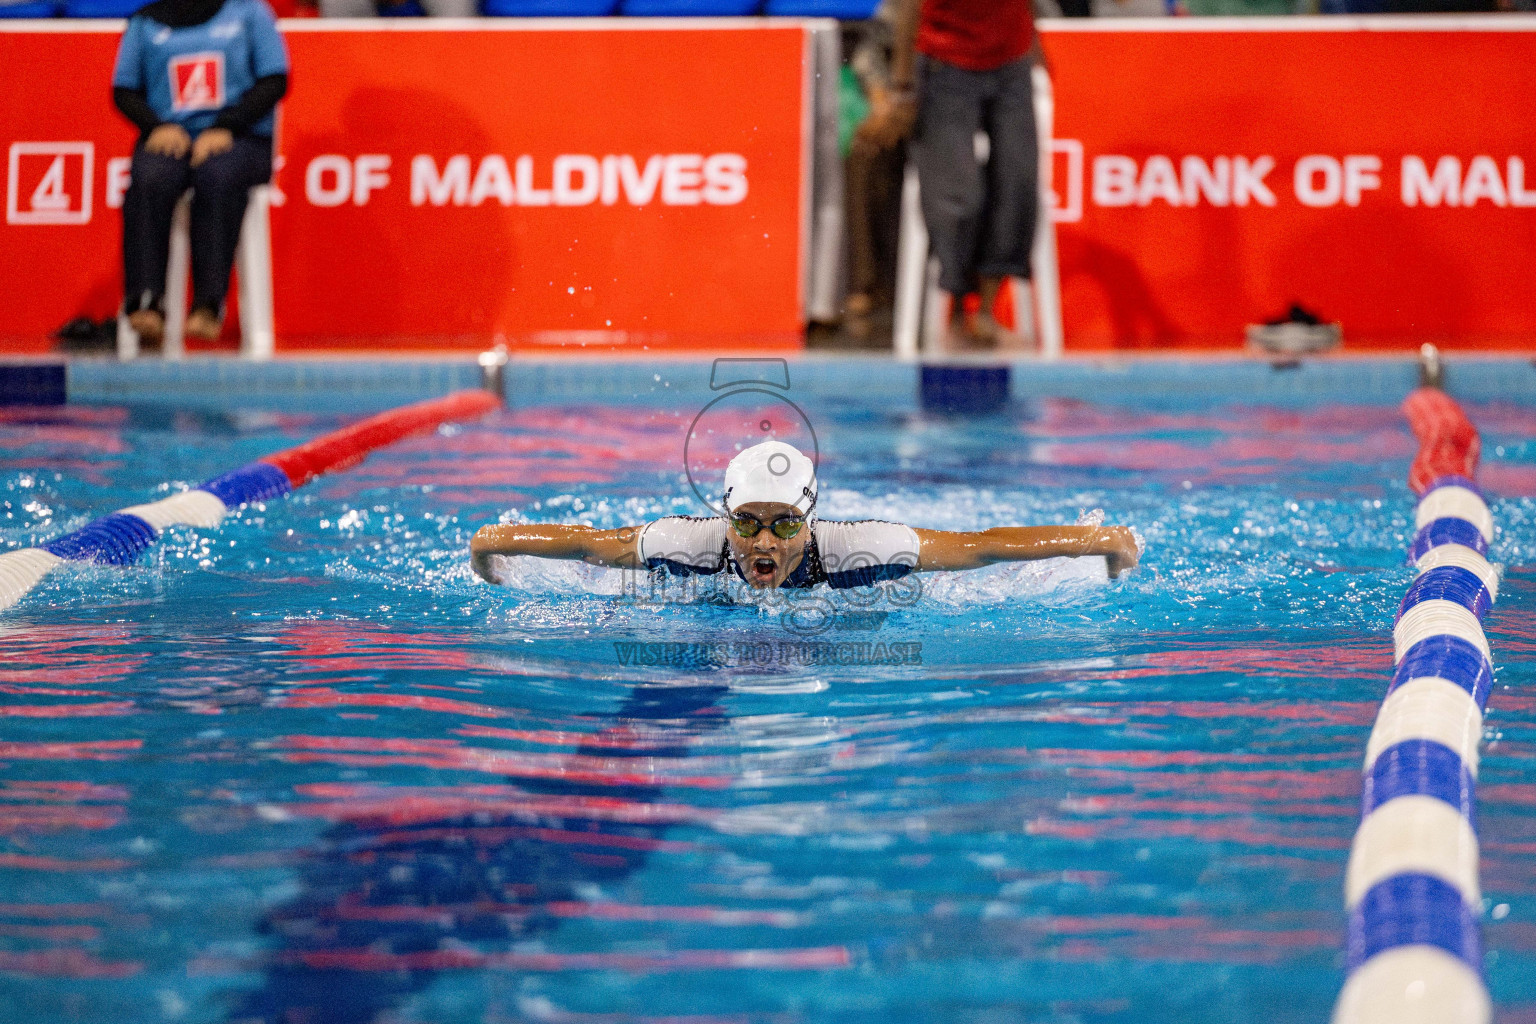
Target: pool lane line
[
  {"x": 1411, "y": 886},
  {"x": 119, "y": 538}
]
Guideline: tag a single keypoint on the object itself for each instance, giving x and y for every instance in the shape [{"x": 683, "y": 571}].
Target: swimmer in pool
[{"x": 770, "y": 537}]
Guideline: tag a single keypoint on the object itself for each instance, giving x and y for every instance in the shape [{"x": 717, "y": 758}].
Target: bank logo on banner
[
  {"x": 49, "y": 183},
  {"x": 197, "y": 81},
  {"x": 1066, "y": 195}
]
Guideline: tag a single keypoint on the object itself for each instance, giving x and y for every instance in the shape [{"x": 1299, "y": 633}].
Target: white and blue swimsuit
[{"x": 841, "y": 555}]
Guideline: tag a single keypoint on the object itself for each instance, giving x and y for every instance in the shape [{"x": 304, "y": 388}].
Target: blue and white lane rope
[
  {"x": 1411, "y": 887},
  {"x": 119, "y": 538}
]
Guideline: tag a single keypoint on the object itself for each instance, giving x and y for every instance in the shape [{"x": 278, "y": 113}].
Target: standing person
[
  {"x": 873, "y": 173},
  {"x": 959, "y": 67},
  {"x": 201, "y": 80}
]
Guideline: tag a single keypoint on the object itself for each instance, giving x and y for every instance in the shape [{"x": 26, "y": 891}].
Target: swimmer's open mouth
[{"x": 763, "y": 566}]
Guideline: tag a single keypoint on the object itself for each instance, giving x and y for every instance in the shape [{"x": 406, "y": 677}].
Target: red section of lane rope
[
  {"x": 1448, "y": 443},
  {"x": 351, "y": 445}
]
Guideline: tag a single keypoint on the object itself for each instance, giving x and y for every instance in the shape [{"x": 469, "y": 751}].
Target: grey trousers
[{"x": 981, "y": 218}]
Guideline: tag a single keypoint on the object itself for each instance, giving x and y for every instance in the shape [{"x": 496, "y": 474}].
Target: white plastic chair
[
  {"x": 921, "y": 305},
  {"x": 253, "y": 274}
]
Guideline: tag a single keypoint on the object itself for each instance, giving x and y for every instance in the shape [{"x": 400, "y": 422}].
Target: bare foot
[
  {"x": 857, "y": 322},
  {"x": 959, "y": 338},
  {"x": 978, "y": 333},
  {"x": 149, "y": 324},
  {"x": 203, "y": 325},
  {"x": 994, "y": 335},
  {"x": 985, "y": 329}
]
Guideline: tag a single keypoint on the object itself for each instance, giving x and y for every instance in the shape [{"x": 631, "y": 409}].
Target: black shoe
[{"x": 82, "y": 334}]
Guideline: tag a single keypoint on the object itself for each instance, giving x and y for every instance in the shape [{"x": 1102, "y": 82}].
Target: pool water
[{"x": 307, "y": 768}]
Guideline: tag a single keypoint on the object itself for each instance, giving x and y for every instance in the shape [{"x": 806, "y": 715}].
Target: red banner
[
  {"x": 642, "y": 184},
  {"x": 610, "y": 184},
  {"x": 66, "y": 169},
  {"x": 1380, "y": 171}
]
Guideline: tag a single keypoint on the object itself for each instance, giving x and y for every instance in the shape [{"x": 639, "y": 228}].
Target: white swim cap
[{"x": 771, "y": 471}]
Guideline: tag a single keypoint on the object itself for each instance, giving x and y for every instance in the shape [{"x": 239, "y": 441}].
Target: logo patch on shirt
[{"x": 197, "y": 81}]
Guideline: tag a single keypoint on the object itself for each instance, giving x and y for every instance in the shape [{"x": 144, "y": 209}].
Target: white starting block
[
  {"x": 253, "y": 273},
  {"x": 922, "y": 307}
]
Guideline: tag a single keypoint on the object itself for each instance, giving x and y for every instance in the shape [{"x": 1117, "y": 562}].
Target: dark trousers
[
  {"x": 981, "y": 219},
  {"x": 220, "y": 188}
]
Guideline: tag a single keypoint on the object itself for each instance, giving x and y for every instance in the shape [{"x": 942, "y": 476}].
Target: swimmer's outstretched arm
[
  {"x": 618, "y": 549},
  {"x": 942, "y": 550}
]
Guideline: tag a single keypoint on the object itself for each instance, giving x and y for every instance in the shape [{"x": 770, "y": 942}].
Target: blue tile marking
[
  {"x": 258, "y": 481},
  {"x": 1448, "y": 530},
  {"x": 1420, "y": 768},
  {"x": 1448, "y": 583},
  {"x": 1451, "y": 658},
  {"x": 32, "y": 384},
  {"x": 1414, "y": 909},
  {"x": 117, "y": 539},
  {"x": 964, "y": 389}
]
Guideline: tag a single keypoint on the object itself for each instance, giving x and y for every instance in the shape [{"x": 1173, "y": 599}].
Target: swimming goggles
[{"x": 783, "y": 527}]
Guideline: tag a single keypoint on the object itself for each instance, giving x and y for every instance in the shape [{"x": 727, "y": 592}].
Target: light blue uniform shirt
[{"x": 190, "y": 74}]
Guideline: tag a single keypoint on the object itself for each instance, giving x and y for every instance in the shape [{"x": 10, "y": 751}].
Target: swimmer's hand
[
  {"x": 618, "y": 549},
  {"x": 1125, "y": 553},
  {"x": 943, "y": 550}
]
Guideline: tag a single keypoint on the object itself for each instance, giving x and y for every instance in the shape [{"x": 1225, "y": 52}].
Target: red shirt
[{"x": 977, "y": 35}]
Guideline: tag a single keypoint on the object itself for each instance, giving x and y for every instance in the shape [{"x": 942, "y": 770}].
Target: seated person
[
  {"x": 769, "y": 501},
  {"x": 201, "y": 80}
]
